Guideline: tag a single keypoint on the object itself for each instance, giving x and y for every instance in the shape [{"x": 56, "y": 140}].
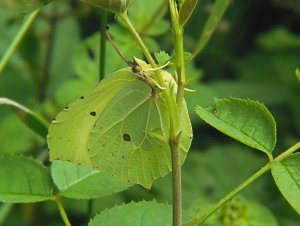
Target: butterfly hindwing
[{"x": 120, "y": 128}]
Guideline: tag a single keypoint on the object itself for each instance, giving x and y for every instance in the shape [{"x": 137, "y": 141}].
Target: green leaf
[
  {"x": 140, "y": 213},
  {"x": 24, "y": 180},
  {"x": 186, "y": 11},
  {"x": 162, "y": 57},
  {"x": 279, "y": 39},
  {"x": 32, "y": 120},
  {"x": 287, "y": 177},
  {"x": 72, "y": 179},
  {"x": 247, "y": 121},
  {"x": 115, "y": 6},
  {"x": 215, "y": 16},
  {"x": 119, "y": 128}
]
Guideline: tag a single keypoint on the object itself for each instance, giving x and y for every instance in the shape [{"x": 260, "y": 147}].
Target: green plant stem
[
  {"x": 62, "y": 211},
  {"x": 18, "y": 38},
  {"x": 137, "y": 37},
  {"x": 200, "y": 219},
  {"x": 49, "y": 54},
  {"x": 102, "y": 44},
  {"x": 289, "y": 151},
  {"x": 174, "y": 122},
  {"x": 232, "y": 194},
  {"x": 180, "y": 69}
]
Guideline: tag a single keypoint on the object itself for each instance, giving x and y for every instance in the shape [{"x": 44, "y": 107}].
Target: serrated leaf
[
  {"x": 119, "y": 128},
  {"x": 32, "y": 120},
  {"x": 247, "y": 121},
  {"x": 140, "y": 213},
  {"x": 186, "y": 11},
  {"x": 162, "y": 57},
  {"x": 188, "y": 57},
  {"x": 24, "y": 180},
  {"x": 214, "y": 18},
  {"x": 71, "y": 179},
  {"x": 287, "y": 177},
  {"x": 115, "y": 6}
]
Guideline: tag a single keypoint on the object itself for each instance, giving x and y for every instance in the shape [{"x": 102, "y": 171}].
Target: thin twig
[{"x": 49, "y": 56}]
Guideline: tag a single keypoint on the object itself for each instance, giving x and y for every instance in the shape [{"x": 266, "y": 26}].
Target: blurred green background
[{"x": 253, "y": 54}]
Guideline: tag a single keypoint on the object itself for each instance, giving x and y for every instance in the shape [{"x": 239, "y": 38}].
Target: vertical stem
[
  {"x": 175, "y": 140},
  {"x": 49, "y": 55},
  {"x": 62, "y": 211},
  {"x": 102, "y": 45},
  {"x": 18, "y": 38},
  {"x": 175, "y": 127},
  {"x": 176, "y": 181}
]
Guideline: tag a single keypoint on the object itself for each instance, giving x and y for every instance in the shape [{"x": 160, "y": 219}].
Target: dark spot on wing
[
  {"x": 82, "y": 97},
  {"x": 67, "y": 107},
  {"x": 123, "y": 157},
  {"x": 126, "y": 137},
  {"x": 93, "y": 113},
  {"x": 91, "y": 54}
]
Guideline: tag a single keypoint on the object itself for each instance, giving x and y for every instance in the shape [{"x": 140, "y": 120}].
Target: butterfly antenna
[{"x": 114, "y": 45}]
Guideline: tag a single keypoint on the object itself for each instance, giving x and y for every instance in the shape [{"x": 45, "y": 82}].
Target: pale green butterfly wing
[
  {"x": 130, "y": 139},
  {"x": 119, "y": 128},
  {"x": 69, "y": 131}
]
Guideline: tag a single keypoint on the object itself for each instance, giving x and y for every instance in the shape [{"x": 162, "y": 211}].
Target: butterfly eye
[{"x": 136, "y": 69}]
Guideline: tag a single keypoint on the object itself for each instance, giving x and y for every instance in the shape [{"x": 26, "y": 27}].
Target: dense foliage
[{"x": 252, "y": 54}]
